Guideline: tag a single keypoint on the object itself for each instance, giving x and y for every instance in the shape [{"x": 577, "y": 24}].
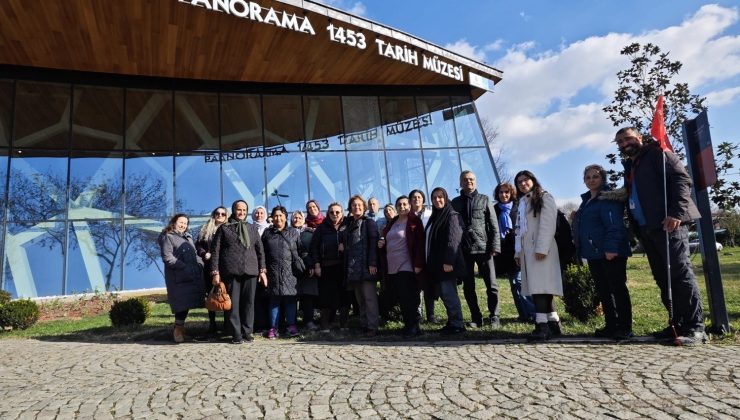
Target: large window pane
[
  {"x": 6, "y": 110},
  {"x": 241, "y": 121},
  {"x": 34, "y": 259},
  {"x": 42, "y": 115},
  {"x": 405, "y": 172},
  {"x": 441, "y": 132},
  {"x": 478, "y": 161},
  {"x": 38, "y": 186},
  {"x": 94, "y": 263},
  {"x": 361, "y": 123},
  {"x": 3, "y": 175},
  {"x": 367, "y": 175},
  {"x": 443, "y": 170},
  {"x": 400, "y": 124},
  {"x": 97, "y": 122},
  {"x": 148, "y": 188},
  {"x": 197, "y": 184},
  {"x": 96, "y": 185},
  {"x": 283, "y": 121},
  {"x": 244, "y": 179},
  {"x": 148, "y": 119},
  {"x": 196, "y": 121},
  {"x": 322, "y": 117},
  {"x": 143, "y": 267},
  {"x": 327, "y": 177},
  {"x": 286, "y": 181},
  {"x": 466, "y": 122}
]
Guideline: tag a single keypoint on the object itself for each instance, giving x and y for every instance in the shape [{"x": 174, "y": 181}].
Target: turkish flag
[{"x": 657, "y": 130}]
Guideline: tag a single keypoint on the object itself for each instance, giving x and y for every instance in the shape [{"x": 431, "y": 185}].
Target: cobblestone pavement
[{"x": 375, "y": 380}]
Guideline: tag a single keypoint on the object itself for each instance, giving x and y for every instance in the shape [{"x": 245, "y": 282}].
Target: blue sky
[{"x": 560, "y": 60}]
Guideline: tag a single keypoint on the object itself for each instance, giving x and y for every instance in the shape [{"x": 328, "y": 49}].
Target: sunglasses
[{"x": 220, "y": 213}]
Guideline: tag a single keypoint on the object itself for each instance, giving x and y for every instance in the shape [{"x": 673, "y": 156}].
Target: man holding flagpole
[{"x": 660, "y": 204}]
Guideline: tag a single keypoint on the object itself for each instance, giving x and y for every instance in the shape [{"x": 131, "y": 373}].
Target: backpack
[{"x": 564, "y": 240}]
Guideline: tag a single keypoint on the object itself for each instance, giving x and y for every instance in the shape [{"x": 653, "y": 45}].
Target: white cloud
[
  {"x": 539, "y": 107},
  {"x": 464, "y": 48},
  {"x": 357, "y": 8}
]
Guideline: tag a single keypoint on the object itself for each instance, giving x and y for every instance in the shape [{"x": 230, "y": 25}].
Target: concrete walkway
[{"x": 284, "y": 379}]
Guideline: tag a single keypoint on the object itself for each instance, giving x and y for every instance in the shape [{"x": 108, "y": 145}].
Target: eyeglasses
[
  {"x": 335, "y": 212},
  {"x": 523, "y": 179},
  {"x": 220, "y": 213}
]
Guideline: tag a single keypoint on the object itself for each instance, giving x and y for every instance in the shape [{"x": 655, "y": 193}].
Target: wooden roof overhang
[{"x": 262, "y": 41}]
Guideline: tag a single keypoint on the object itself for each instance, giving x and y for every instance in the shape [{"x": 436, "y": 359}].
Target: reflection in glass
[
  {"x": 400, "y": 124},
  {"x": 38, "y": 186},
  {"x": 322, "y": 116},
  {"x": 6, "y": 110},
  {"x": 142, "y": 261},
  {"x": 441, "y": 132},
  {"x": 478, "y": 161},
  {"x": 197, "y": 184},
  {"x": 94, "y": 263},
  {"x": 244, "y": 179},
  {"x": 148, "y": 119},
  {"x": 286, "y": 181},
  {"x": 405, "y": 172},
  {"x": 327, "y": 178},
  {"x": 443, "y": 170},
  {"x": 95, "y": 186},
  {"x": 148, "y": 188},
  {"x": 97, "y": 122},
  {"x": 34, "y": 258},
  {"x": 283, "y": 121},
  {"x": 41, "y": 115},
  {"x": 466, "y": 122},
  {"x": 241, "y": 121},
  {"x": 361, "y": 123},
  {"x": 367, "y": 175},
  {"x": 3, "y": 175},
  {"x": 196, "y": 121}
]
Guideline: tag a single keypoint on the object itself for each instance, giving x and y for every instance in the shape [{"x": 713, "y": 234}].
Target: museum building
[{"x": 115, "y": 115}]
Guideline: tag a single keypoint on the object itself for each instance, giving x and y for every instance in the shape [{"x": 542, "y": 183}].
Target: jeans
[
  {"x": 487, "y": 271},
  {"x": 289, "y": 303},
  {"x": 451, "y": 301},
  {"x": 524, "y": 304}
]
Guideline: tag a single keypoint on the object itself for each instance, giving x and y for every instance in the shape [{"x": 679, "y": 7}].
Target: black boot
[
  {"x": 555, "y": 328},
  {"x": 541, "y": 333}
]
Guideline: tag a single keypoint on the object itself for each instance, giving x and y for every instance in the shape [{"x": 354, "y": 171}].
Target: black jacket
[
  {"x": 231, "y": 258},
  {"x": 360, "y": 248},
  {"x": 281, "y": 281},
  {"x": 325, "y": 244},
  {"x": 504, "y": 262},
  {"x": 446, "y": 249},
  {"x": 480, "y": 234}
]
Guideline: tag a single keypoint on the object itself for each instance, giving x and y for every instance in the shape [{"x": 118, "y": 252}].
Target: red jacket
[{"x": 416, "y": 241}]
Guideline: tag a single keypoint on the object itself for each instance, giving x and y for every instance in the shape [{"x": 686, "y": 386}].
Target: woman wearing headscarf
[
  {"x": 308, "y": 285},
  {"x": 183, "y": 272},
  {"x": 601, "y": 239},
  {"x": 445, "y": 264},
  {"x": 402, "y": 251},
  {"x": 238, "y": 259},
  {"x": 506, "y": 211},
  {"x": 536, "y": 252},
  {"x": 313, "y": 214},
  {"x": 203, "y": 246},
  {"x": 259, "y": 216}
]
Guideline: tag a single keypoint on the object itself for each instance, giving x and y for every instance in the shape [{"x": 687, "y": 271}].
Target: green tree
[{"x": 725, "y": 193}]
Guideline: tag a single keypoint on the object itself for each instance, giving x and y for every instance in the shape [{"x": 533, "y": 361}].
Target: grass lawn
[{"x": 648, "y": 314}]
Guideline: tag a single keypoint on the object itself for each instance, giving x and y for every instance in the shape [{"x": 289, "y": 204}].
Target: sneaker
[
  {"x": 432, "y": 319},
  {"x": 292, "y": 331},
  {"x": 605, "y": 332},
  {"x": 540, "y": 333},
  {"x": 666, "y": 333},
  {"x": 450, "y": 330},
  {"x": 237, "y": 340},
  {"x": 272, "y": 334},
  {"x": 248, "y": 338},
  {"x": 622, "y": 335},
  {"x": 556, "y": 329},
  {"x": 474, "y": 325},
  {"x": 311, "y": 326},
  {"x": 495, "y": 322},
  {"x": 692, "y": 338}
]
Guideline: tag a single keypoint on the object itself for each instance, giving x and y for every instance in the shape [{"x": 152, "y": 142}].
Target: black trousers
[
  {"x": 241, "y": 316},
  {"x": 487, "y": 271},
  {"x": 404, "y": 284},
  {"x": 610, "y": 278},
  {"x": 688, "y": 314}
]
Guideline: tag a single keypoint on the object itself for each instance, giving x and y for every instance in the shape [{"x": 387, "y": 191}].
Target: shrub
[
  {"x": 19, "y": 314},
  {"x": 579, "y": 292},
  {"x": 132, "y": 311},
  {"x": 5, "y": 297}
]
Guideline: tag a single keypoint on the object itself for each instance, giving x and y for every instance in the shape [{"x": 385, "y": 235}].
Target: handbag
[{"x": 218, "y": 299}]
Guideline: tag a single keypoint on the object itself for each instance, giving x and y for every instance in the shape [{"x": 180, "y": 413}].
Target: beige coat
[{"x": 539, "y": 277}]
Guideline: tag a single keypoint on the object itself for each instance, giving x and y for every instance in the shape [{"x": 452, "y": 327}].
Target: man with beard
[{"x": 644, "y": 172}]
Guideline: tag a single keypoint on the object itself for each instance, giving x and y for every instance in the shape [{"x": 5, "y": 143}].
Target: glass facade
[{"x": 89, "y": 174}]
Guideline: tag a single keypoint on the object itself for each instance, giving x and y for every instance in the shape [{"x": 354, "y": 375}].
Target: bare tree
[{"x": 502, "y": 165}]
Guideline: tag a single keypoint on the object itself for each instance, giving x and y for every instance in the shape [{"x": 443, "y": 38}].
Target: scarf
[
  {"x": 242, "y": 230},
  {"x": 504, "y": 218},
  {"x": 521, "y": 222},
  {"x": 314, "y": 221}
]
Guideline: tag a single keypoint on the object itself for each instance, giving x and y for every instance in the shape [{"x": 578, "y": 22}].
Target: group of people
[{"x": 333, "y": 261}]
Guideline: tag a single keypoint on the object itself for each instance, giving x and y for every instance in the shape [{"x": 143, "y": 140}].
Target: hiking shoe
[
  {"x": 556, "y": 329},
  {"x": 540, "y": 333},
  {"x": 292, "y": 331},
  {"x": 692, "y": 338},
  {"x": 272, "y": 334}
]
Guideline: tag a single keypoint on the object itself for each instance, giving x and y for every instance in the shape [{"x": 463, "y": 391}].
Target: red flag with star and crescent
[{"x": 657, "y": 130}]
